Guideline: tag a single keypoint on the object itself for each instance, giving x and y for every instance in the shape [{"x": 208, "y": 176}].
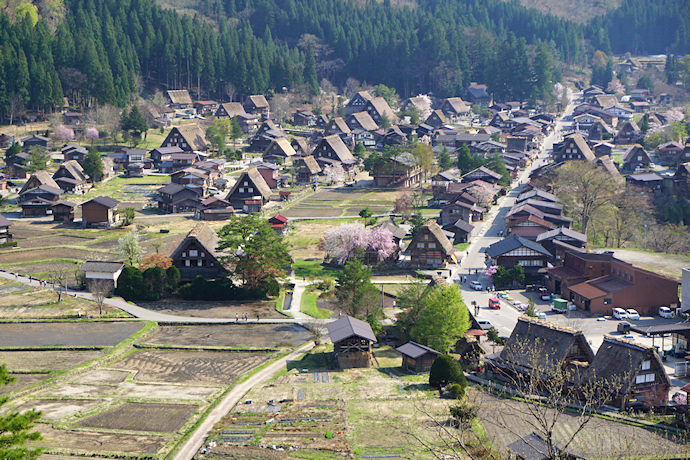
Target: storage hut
[
  {"x": 352, "y": 340},
  {"x": 417, "y": 358}
]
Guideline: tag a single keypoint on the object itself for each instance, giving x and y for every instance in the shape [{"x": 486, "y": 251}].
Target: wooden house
[
  {"x": 230, "y": 110},
  {"x": 321, "y": 121},
  {"x": 187, "y": 137},
  {"x": 37, "y": 197},
  {"x": 668, "y": 152},
  {"x": 206, "y": 107},
  {"x": 436, "y": 119},
  {"x": 303, "y": 118},
  {"x": 417, "y": 358},
  {"x": 599, "y": 130},
  {"x": 634, "y": 369},
  {"x": 539, "y": 349},
  {"x": 516, "y": 250},
  {"x": 34, "y": 140},
  {"x": 402, "y": 170},
  {"x": 197, "y": 254},
  {"x": 194, "y": 178},
  {"x": 250, "y": 192},
  {"x": 681, "y": 179},
  {"x": 477, "y": 94},
  {"x": 307, "y": 169},
  {"x": 5, "y": 233},
  {"x": 602, "y": 149},
  {"x": 279, "y": 151},
  {"x": 332, "y": 149},
  {"x": 177, "y": 198},
  {"x": 36, "y": 180},
  {"x": 606, "y": 164},
  {"x": 635, "y": 158},
  {"x": 279, "y": 224},
  {"x": 561, "y": 240},
  {"x": 179, "y": 98},
  {"x": 421, "y": 103},
  {"x": 70, "y": 177},
  {"x": 645, "y": 182},
  {"x": 16, "y": 166},
  {"x": 352, "y": 339},
  {"x": 257, "y": 105},
  {"x": 63, "y": 211},
  {"x": 213, "y": 208},
  {"x": 629, "y": 133},
  {"x": 358, "y": 102},
  {"x": 248, "y": 123},
  {"x": 337, "y": 126},
  {"x": 100, "y": 212},
  {"x": 271, "y": 174},
  {"x": 361, "y": 120},
  {"x": 379, "y": 109},
  {"x": 300, "y": 146},
  {"x": 460, "y": 229},
  {"x": 574, "y": 148},
  {"x": 74, "y": 152},
  {"x": 430, "y": 248},
  {"x": 454, "y": 107},
  {"x": 6, "y": 139},
  {"x": 161, "y": 155},
  {"x": 482, "y": 173},
  {"x": 97, "y": 270}
]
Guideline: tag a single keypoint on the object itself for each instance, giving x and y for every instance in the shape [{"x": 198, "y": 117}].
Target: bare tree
[
  {"x": 230, "y": 90},
  {"x": 58, "y": 280},
  {"x": 317, "y": 327},
  {"x": 15, "y": 106},
  {"x": 100, "y": 289}
]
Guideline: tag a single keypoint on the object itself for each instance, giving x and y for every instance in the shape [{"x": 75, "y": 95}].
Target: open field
[
  {"x": 8, "y": 258},
  {"x": 21, "y": 301},
  {"x": 212, "y": 309},
  {"x": 189, "y": 367},
  {"x": 343, "y": 201},
  {"x": 669, "y": 265},
  {"x": 21, "y": 381},
  {"x": 54, "y": 410},
  {"x": 47, "y": 360},
  {"x": 67, "y": 334},
  {"x": 159, "y": 418},
  {"x": 86, "y": 442},
  {"x": 231, "y": 336}
]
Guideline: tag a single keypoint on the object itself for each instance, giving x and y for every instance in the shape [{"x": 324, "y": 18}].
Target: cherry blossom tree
[
  {"x": 615, "y": 87},
  {"x": 335, "y": 173},
  {"x": 403, "y": 204},
  {"x": 347, "y": 240},
  {"x": 64, "y": 133},
  {"x": 92, "y": 134}
]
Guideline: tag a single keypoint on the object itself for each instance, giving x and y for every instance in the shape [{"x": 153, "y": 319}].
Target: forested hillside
[{"x": 107, "y": 50}]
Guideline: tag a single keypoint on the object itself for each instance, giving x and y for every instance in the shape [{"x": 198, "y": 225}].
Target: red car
[{"x": 494, "y": 304}]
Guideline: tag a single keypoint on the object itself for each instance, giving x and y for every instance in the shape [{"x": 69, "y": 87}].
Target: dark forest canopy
[{"x": 102, "y": 48}]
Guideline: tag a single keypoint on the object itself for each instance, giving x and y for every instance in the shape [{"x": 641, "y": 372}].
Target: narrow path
[
  {"x": 296, "y": 302},
  {"x": 197, "y": 439}
]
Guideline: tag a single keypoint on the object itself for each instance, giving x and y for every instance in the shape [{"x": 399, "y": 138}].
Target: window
[
  {"x": 420, "y": 245},
  {"x": 241, "y": 190},
  {"x": 193, "y": 253},
  {"x": 187, "y": 263},
  {"x": 184, "y": 254},
  {"x": 432, "y": 245},
  {"x": 646, "y": 365},
  {"x": 250, "y": 190},
  {"x": 644, "y": 378},
  {"x": 246, "y": 183},
  {"x": 608, "y": 301},
  {"x": 199, "y": 263},
  {"x": 426, "y": 236},
  {"x": 203, "y": 254}
]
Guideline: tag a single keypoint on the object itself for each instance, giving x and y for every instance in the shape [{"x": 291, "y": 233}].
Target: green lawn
[
  {"x": 308, "y": 306},
  {"x": 115, "y": 187},
  {"x": 312, "y": 269}
]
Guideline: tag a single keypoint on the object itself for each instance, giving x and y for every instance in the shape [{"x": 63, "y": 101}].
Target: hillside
[{"x": 580, "y": 11}]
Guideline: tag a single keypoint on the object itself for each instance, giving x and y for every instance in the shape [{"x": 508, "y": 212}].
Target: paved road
[{"x": 233, "y": 397}]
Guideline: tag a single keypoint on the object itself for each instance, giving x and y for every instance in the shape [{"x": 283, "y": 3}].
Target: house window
[
  {"x": 646, "y": 365},
  {"x": 644, "y": 378},
  {"x": 608, "y": 301},
  {"x": 250, "y": 190},
  {"x": 187, "y": 263},
  {"x": 184, "y": 254},
  {"x": 432, "y": 245},
  {"x": 420, "y": 245},
  {"x": 199, "y": 263},
  {"x": 241, "y": 190},
  {"x": 203, "y": 254},
  {"x": 193, "y": 253}
]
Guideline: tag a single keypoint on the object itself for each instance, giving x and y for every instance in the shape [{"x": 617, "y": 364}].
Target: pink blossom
[
  {"x": 342, "y": 242},
  {"x": 92, "y": 134},
  {"x": 64, "y": 133}
]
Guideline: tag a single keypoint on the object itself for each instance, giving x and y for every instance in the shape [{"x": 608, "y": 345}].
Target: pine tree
[{"x": 16, "y": 428}]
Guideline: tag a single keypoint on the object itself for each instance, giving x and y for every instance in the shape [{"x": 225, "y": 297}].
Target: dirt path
[{"x": 233, "y": 397}]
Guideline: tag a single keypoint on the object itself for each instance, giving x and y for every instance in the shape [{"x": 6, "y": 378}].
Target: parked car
[
  {"x": 619, "y": 313},
  {"x": 494, "y": 304},
  {"x": 623, "y": 327},
  {"x": 665, "y": 312},
  {"x": 476, "y": 285},
  {"x": 485, "y": 324},
  {"x": 632, "y": 314}
]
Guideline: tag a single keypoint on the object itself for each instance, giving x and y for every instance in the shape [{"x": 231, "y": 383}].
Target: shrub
[
  {"x": 130, "y": 284},
  {"x": 445, "y": 370},
  {"x": 456, "y": 390}
]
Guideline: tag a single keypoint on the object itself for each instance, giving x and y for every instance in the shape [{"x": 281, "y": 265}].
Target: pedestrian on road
[
  {"x": 237, "y": 318},
  {"x": 258, "y": 316}
]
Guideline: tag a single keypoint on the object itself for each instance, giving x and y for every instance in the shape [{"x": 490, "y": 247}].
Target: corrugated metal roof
[
  {"x": 348, "y": 327},
  {"x": 415, "y": 350}
]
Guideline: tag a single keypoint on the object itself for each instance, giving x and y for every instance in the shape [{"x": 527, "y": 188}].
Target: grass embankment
[{"x": 308, "y": 306}]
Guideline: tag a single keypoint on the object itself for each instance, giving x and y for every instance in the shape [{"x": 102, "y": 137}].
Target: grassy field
[
  {"x": 313, "y": 269},
  {"x": 308, "y": 306}
]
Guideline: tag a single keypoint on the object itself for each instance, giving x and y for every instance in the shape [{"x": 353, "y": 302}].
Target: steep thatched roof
[
  {"x": 256, "y": 178},
  {"x": 179, "y": 96},
  {"x": 194, "y": 136},
  {"x": 311, "y": 164},
  {"x": 204, "y": 236},
  {"x": 438, "y": 234}
]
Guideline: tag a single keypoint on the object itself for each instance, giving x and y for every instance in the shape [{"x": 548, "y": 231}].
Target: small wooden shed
[
  {"x": 352, "y": 340},
  {"x": 417, "y": 358}
]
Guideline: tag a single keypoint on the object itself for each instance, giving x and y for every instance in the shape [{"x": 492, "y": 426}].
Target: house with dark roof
[
  {"x": 96, "y": 270},
  {"x": 561, "y": 240},
  {"x": 644, "y": 182},
  {"x": 213, "y": 208},
  {"x": 74, "y": 152},
  {"x": 539, "y": 349},
  {"x": 358, "y": 102},
  {"x": 634, "y": 370},
  {"x": 469, "y": 139},
  {"x": 256, "y": 105},
  {"x": 33, "y": 141},
  {"x": 361, "y": 120},
  {"x": 417, "y": 358},
  {"x": 197, "y": 254},
  {"x": 250, "y": 192},
  {"x": 187, "y": 137},
  {"x": 100, "y": 212},
  {"x": 482, "y": 173},
  {"x": 477, "y": 94},
  {"x": 5, "y": 234},
  {"x": 635, "y": 158},
  {"x": 176, "y": 198},
  {"x": 402, "y": 170},
  {"x": 516, "y": 250},
  {"x": 460, "y": 229},
  {"x": 194, "y": 178},
  {"x": 38, "y": 201},
  {"x": 537, "y": 194},
  {"x": 63, "y": 211},
  {"x": 337, "y": 126},
  {"x": 161, "y": 155},
  {"x": 431, "y": 248},
  {"x": 436, "y": 119},
  {"x": 597, "y": 283},
  {"x": 681, "y": 179},
  {"x": 352, "y": 339},
  {"x": 70, "y": 177},
  {"x": 668, "y": 152},
  {"x": 602, "y": 149}
]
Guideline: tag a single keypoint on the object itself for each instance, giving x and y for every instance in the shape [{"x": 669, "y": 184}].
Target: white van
[
  {"x": 619, "y": 313},
  {"x": 665, "y": 312}
]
